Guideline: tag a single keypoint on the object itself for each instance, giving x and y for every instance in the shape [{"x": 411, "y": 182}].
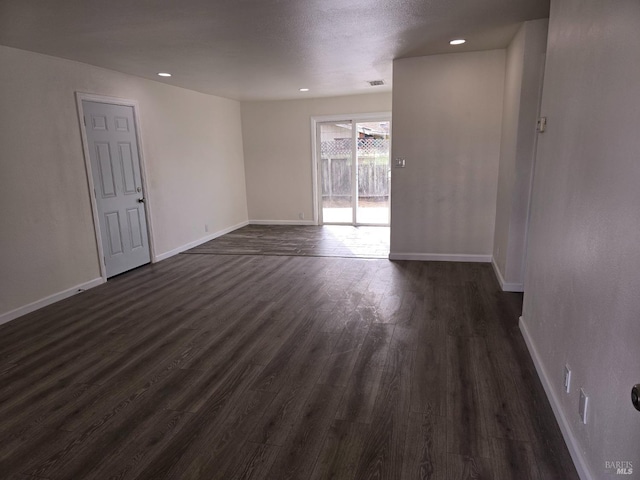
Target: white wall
[
  {"x": 193, "y": 151},
  {"x": 581, "y": 304},
  {"x": 277, "y": 151},
  {"x": 447, "y": 113},
  {"x": 522, "y": 91}
]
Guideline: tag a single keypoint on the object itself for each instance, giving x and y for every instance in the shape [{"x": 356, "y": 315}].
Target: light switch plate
[{"x": 399, "y": 162}]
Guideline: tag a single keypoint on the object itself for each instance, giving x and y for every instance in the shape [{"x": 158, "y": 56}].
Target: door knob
[
  {"x": 141, "y": 200},
  {"x": 635, "y": 396}
]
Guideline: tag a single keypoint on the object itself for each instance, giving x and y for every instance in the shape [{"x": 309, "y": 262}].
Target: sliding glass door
[{"x": 354, "y": 172}]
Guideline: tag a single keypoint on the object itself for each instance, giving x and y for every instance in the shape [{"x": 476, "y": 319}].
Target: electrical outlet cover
[{"x": 584, "y": 406}]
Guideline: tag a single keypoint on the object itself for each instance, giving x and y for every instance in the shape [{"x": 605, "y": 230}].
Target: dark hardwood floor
[
  {"x": 277, "y": 367},
  {"x": 308, "y": 241}
]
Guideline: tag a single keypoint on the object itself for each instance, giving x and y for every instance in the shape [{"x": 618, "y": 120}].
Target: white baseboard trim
[
  {"x": 440, "y": 257},
  {"x": 43, "y": 302},
  {"x": 282, "y": 222},
  {"x": 200, "y": 241},
  {"x": 575, "y": 451},
  {"x": 506, "y": 287}
]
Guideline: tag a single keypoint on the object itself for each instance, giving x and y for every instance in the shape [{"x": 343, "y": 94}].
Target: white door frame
[
  {"x": 80, "y": 96},
  {"x": 315, "y": 164}
]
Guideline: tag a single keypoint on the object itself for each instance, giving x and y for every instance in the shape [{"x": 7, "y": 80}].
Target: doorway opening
[{"x": 353, "y": 170}]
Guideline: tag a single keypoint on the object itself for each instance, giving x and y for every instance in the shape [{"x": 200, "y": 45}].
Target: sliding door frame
[{"x": 315, "y": 155}]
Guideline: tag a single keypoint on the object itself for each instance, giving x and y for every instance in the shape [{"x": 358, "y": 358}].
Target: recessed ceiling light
[
  {"x": 458, "y": 41},
  {"x": 304, "y": 89},
  {"x": 163, "y": 74}
]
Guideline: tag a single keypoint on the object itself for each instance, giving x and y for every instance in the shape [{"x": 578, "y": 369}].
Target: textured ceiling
[{"x": 260, "y": 49}]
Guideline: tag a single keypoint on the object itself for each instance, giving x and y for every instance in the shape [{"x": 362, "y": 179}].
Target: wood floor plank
[
  {"x": 5, "y": 368},
  {"x": 305, "y": 368},
  {"x": 139, "y": 449},
  {"x": 136, "y": 380},
  {"x": 42, "y": 387},
  {"x": 186, "y": 446},
  {"x": 389, "y": 307},
  {"x": 383, "y": 451},
  {"x": 40, "y": 412},
  {"x": 23, "y": 477},
  {"x": 336, "y": 319},
  {"x": 374, "y": 294},
  {"x": 411, "y": 313},
  {"x": 280, "y": 322},
  {"x": 143, "y": 355},
  {"x": 254, "y": 460},
  {"x": 281, "y": 415},
  {"x": 502, "y": 417},
  {"x": 469, "y": 317},
  {"x": 466, "y": 434},
  {"x": 382, "y": 454},
  {"x": 277, "y": 371},
  {"x": 358, "y": 402},
  {"x": 128, "y": 418},
  {"x": 298, "y": 455},
  {"x": 429, "y": 383},
  {"x": 222, "y": 456},
  {"x": 340, "y": 365},
  {"x": 294, "y": 386},
  {"x": 52, "y": 360},
  {"x": 511, "y": 458},
  {"x": 16, "y": 457},
  {"x": 464, "y": 467},
  {"x": 425, "y": 450},
  {"x": 228, "y": 344},
  {"x": 341, "y": 451}
]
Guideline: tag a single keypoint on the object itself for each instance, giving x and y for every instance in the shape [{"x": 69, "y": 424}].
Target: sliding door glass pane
[
  {"x": 336, "y": 147},
  {"x": 374, "y": 173}
]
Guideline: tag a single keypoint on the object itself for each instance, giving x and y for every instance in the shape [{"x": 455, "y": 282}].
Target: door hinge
[{"x": 84, "y": 119}]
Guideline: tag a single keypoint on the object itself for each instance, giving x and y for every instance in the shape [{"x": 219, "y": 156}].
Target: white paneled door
[{"x": 115, "y": 167}]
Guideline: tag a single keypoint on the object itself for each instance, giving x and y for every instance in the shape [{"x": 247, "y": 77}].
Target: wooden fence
[
  {"x": 373, "y": 179},
  {"x": 373, "y": 167}
]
